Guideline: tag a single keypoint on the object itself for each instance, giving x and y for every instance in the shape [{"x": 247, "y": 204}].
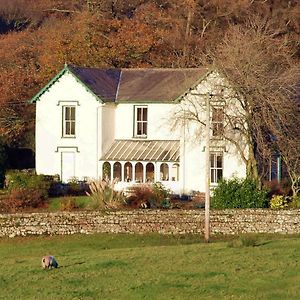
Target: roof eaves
[
  {"x": 48, "y": 85},
  {"x": 194, "y": 85},
  {"x": 144, "y": 101},
  {"x": 56, "y": 78}
]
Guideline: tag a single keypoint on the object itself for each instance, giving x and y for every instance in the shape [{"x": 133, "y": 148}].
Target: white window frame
[
  {"x": 214, "y": 168},
  {"x": 67, "y": 131},
  {"x": 143, "y": 121}
]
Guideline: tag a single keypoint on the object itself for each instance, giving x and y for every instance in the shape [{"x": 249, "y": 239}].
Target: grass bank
[{"x": 151, "y": 267}]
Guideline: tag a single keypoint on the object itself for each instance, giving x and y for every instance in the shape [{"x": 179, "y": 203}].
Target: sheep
[{"x": 49, "y": 262}]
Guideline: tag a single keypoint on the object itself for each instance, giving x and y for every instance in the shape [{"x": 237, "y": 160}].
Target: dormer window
[
  {"x": 69, "y": 121},
  {"x": 141, "y": 121}
]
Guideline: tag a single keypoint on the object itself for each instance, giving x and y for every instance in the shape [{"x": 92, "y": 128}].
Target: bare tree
[{"x": 261, "y": 77}]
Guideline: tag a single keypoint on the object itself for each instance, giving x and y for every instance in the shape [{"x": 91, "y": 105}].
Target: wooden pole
[{"x": 207, "y": 170}]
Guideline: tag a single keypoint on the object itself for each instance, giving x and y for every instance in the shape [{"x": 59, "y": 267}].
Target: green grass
[
  {"x": 151, "y": 267},
  {"x": 54, "y": 203}
]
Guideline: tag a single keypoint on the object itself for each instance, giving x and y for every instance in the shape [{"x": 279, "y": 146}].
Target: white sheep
[{"x": 49, "y": 262}]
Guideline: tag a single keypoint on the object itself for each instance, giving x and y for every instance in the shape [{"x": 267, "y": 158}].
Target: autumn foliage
[{"x": 38, "y": 36}]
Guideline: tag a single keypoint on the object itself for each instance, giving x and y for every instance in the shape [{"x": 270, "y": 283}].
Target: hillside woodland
[{"x": 255, "y": 43}]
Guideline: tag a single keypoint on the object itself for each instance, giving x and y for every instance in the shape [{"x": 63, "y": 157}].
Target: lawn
[
  {"x": 151, "y": 267},
  {"x": 56, "y": 204}
]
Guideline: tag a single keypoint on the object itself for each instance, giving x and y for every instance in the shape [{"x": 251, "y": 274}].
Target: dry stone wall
[{"x": 147, "y": 221}]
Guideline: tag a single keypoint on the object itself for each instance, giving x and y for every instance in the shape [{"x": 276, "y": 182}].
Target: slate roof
[
  {"x": 130, "y": 85},
  {"x": 104, "y": 83},
  {"x": 133, "y": 85}
]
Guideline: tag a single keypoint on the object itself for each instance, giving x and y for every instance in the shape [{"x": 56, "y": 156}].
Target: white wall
[
  {"x": 108, "y": 127},
  {"x": 159, "y": 127},
  {"x": 193, "y": 140},
  {"x": 49, "y": 140}
]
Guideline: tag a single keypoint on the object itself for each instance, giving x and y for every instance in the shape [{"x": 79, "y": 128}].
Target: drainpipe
[
  {"x": 97, "y": 136},
  {"x": 207, "y": 171},
  {"x": 183, "y": 156}
]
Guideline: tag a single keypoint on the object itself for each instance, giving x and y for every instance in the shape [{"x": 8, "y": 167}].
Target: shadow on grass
[
  {"x": 72, "y": 265},
  {"x": 248, "y": 241}
]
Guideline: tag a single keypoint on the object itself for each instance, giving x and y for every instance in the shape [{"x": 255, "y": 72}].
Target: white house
[{"x": 91, "y": 122}]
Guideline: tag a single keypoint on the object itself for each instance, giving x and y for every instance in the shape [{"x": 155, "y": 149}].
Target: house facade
[{"x": 122, "y": 123}]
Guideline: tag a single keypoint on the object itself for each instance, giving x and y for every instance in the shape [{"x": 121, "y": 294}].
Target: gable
[{"x": 55, "y": 79}]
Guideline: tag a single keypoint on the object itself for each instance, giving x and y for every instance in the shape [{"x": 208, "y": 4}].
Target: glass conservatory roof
[{"x": 134, "y": 150}]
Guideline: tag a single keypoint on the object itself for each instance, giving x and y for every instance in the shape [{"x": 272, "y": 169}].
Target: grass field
[{"x": 151, "y": 267}]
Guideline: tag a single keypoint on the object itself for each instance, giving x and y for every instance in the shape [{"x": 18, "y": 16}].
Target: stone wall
[{"x": 146, "y": 221}]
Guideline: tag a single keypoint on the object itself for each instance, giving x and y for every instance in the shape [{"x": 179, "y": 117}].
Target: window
[
  {"x": 128, "y": 172},
  {"x": 117, "y": 171},
  {"x": 68, "y": 121},
  {"x": 150, "y": 172},
  {"x": 139, "y": 175},
  {"x": 141, "y": 120},
  {"x": 175, "y": 172},
  {"x": 164, "y": 172},
  {"x": 217, "y": 121},
  {"x": 106, "y": 170},
  {"x": 216, "y": 167}
]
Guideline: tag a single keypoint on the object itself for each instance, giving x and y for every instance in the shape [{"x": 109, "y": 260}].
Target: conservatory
[{"x": 142, "y": 161}]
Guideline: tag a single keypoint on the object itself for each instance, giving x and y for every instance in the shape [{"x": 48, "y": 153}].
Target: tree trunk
[{"x": 252, "y": 167}]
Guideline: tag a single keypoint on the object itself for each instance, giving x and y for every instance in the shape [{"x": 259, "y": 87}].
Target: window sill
[
  {"x": 140, "y": 137},
  {"x": 69, "y": 137}
]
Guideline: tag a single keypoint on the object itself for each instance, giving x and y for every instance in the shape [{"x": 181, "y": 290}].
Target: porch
[{"x": 133, "y": 162}]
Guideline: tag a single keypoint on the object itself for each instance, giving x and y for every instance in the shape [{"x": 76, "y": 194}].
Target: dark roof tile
[{"x": 130, "y": 85}]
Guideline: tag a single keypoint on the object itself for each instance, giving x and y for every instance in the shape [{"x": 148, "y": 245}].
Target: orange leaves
[
  {"x": 130, "y": 42},
  {"x": 109, "y": 33}
]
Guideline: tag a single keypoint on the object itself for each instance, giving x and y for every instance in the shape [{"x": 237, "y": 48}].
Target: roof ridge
[
  {"x": 163, "y": 69},
  {"x": 118, "y": 87},
  {"x": 142, "y": 68}
]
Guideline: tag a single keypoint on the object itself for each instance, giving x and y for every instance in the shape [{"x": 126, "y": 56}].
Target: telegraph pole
[
  {"x": 207, "y": 164},
  {"x": 207, "y": 170}
]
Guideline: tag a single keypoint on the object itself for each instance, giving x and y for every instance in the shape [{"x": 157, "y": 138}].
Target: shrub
[
  {"x": 161, "y": 196},
  {"x": 72, "y": 188},
  {"x": 165, "y": 203},
  {"x": 235, "y": 193},
  {"x": 140, "y": 196},
  {"x": 149, "y": 195},
  {"x": 276, "y": 187},
  {"x": 295, "y": 201},
  {"x": 58, "y": 189},
  {"x": 26, "y": 190},
  {"x": 103, "y": 194},
  {"x": 3, "y": 163},
  {"x": 198, "y": 199},
  {"x": 21, "y": 180},
  {"x": 68, "y": 204},
  {"x": 76, "y": 187},
  {"x": 22, "y": 198},
  {"x": 281, "y": 202}
]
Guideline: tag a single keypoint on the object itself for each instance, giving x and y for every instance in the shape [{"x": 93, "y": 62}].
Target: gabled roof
[{"x": 133, "y": 85}]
